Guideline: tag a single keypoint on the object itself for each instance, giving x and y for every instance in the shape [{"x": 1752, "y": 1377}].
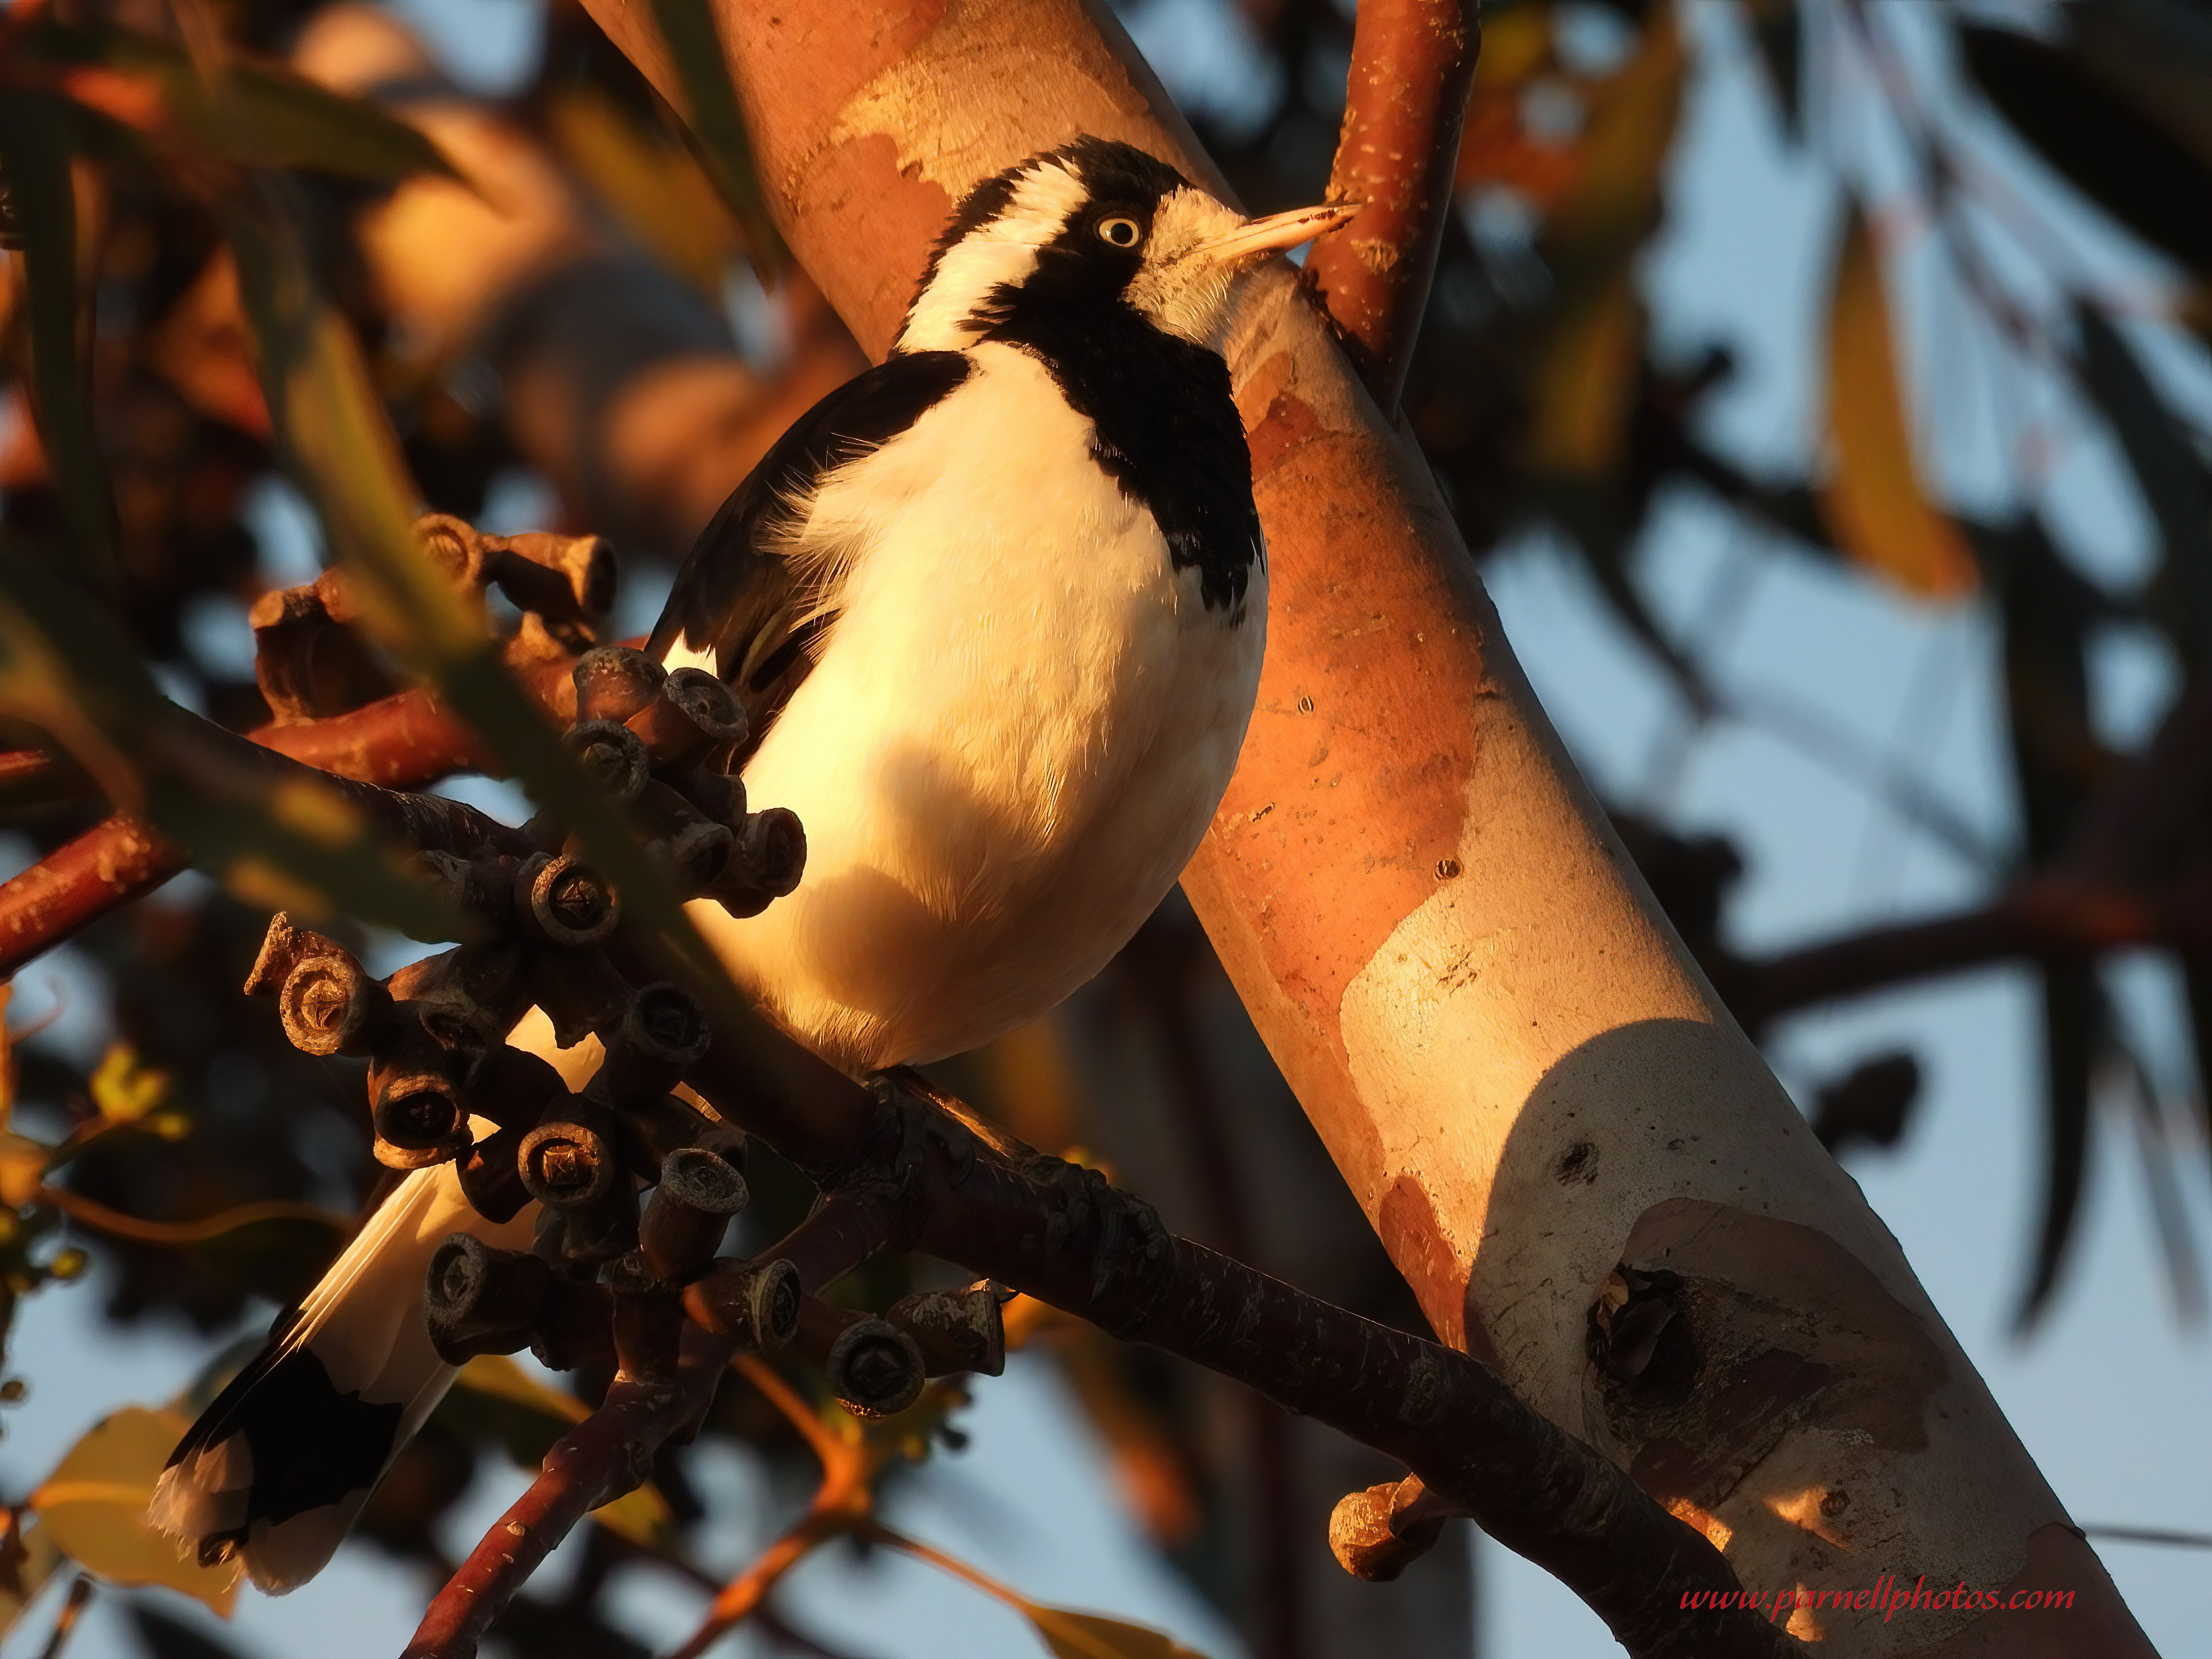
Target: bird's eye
[{"x": 1121, "y": 232}]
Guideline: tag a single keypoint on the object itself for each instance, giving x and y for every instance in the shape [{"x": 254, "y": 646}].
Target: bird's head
[{"x": 1090, "y": 226}]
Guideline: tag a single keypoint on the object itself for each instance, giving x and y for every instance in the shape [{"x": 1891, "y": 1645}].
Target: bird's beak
[{"x": 1276, "y": 233}]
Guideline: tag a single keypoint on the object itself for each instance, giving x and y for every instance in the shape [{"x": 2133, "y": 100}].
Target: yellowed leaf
[
  {"x": 316, "y": 812},
  {"x": 1873, "y": 501},
  {"x": 657, "y": 189},
  {"x": 94, "y": 1508},
  {"x": 124, "y": 1088},
  {"x": 1582, "y": 391},
  {"x": 22, "y": 1168},
  {"x": 1516, "y": 44},
  {"x": 1072, "y": 1635},
  {"x": 1032, "y": 1079},
  {"x": 498, "y": 1375},
  {"x": 641, "y": 1517},
  {"x": 1621, "y": 159}
]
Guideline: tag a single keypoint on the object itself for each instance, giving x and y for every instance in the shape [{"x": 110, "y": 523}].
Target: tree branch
[
  {"x": 970, "y": 1195},
  {"x": 911, "y": 1168},
  {"x": 1412, "y": 67},
  {"x": 91, "y": 1212},
  {"x": 2049, "y": 917},
  {"x": 606, "y": 1455}
]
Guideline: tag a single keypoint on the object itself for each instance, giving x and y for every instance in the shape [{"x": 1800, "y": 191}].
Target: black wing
[{"x": 761, "y": 619}]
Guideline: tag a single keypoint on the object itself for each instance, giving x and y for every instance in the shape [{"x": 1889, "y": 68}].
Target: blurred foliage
[
  {"x": 92, "y": 1506},
  {"x": 259, "y": 238}
]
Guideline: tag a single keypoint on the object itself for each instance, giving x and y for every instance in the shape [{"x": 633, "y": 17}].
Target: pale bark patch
[{"x": 958, "y": 105}]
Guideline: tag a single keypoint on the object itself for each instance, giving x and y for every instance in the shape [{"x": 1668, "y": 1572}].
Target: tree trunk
[{"x": 1581, "y": 1165}]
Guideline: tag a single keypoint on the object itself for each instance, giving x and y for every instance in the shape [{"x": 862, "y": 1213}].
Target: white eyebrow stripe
[{"x": 1002, "y": 251}]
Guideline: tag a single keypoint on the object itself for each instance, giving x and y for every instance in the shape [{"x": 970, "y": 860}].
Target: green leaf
[
  {"x": 34, "y": 134},
  {"x": 1072, "y": 1635},
  {"x": 257, "y": 114},
  {"x": 716, "y": 121},
  {"x": 285, "y": 840},
  {"x": 93, "y": 1506},
  {"x": 494, "y": 1399},
  {"x": 295, "y": 845},
  {"x": 658, "y": 189},
  {"x": 1874, "y": 502},
  {"x": 1584, "y": 389}
]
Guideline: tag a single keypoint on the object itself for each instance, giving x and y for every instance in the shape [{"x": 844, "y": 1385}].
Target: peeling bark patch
[
  {"x": 1378, "y": 255},
  {"x": 1790, "y": 1331},
  {"x": 1287, "y": 424},
  {"x": 970, "y": 99},
  {"x": 2057, "y": 1558},
  {"x": 1637, "y": 1337},
  {"x": 1407, "y": 1225},
  {"x": 1735, "y": 1415}
]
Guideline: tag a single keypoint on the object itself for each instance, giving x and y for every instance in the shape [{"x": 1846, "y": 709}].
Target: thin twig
[
  {"x": 877, "y": 1533},
  {"x": 742, "y": 1595},
  {"x": 79, "y": 1593},
  {"x": 2187, "y": 1540},
  {"x": 827, "y": 1449},
  {"x": 606, "y": 1455},
  {"x": 400, "y": 742},
  {"x": 840, "y": 1503},
  {"x": 91, "y": 1212},
  {"x": 2046, "y": 916},
  {"x": 1412, "y": 67}
]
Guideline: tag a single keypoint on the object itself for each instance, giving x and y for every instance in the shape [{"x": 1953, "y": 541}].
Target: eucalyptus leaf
[
  {"x": 276, "y": 838},
  {"x": 338, "y": 443},
  {"x": 695, "y": 46},
  {"x": 36, "y": 130},
  {"x": 254, "y": 113},
  {"x": 2166, "y": 463},
  {"x": 1072, "y": 1635},
  {"x": 93, "y": 1507},
  {"x": 496, "y": 1399},
  {"x": 27, "y": 1559},
  {"x": 2097, "y": 139},
  {"x": 1873, "y": 501}
]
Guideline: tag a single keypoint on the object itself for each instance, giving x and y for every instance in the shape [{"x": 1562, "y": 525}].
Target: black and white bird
[{"x": 996, "y": 609}]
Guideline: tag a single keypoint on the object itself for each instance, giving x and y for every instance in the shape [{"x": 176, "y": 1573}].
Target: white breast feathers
[{"x": 1015, "y": 735}]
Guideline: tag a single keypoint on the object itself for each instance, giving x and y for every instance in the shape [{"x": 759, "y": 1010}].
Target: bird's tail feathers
[{"x": 280, "y": 1463}]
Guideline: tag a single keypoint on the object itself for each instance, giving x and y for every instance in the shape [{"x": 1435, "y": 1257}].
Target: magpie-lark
[{"x": 995, "y": 610}]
